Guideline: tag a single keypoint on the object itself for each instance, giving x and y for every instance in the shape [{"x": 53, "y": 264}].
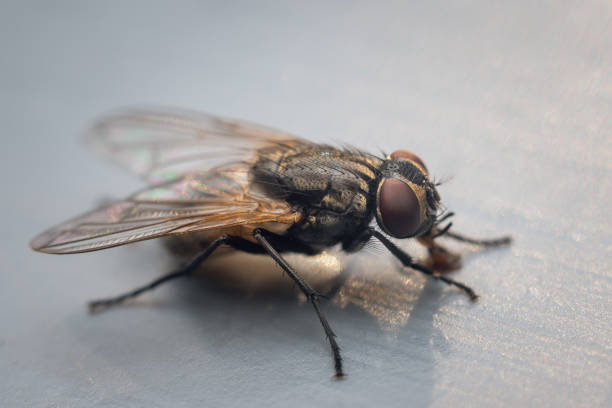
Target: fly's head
[{"x": 406, "y": 200}]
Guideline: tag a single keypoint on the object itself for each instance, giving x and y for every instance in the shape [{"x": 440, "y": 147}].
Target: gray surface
[{"x": 514, "y": 102}]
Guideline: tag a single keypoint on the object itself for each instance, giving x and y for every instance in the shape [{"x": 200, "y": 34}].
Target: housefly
[{"x": 262, "y": 191}]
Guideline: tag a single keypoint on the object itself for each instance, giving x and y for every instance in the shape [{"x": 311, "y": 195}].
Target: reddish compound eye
[
  {"x": 399, "y": 208},
  {"x": 405, "y": 154}
]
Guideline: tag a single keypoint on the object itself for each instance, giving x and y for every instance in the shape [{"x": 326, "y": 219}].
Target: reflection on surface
[
  {"x": 256, "y": 274},
  {"x": 375, "y": 286},
  {"x": 372, "y": 279},
  {"x": 371, "y": 282}
]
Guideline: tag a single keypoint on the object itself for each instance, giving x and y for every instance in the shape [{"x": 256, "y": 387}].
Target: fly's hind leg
[
  {"x": 187, "y": 270},
  {"x": 311, "y": 295}
]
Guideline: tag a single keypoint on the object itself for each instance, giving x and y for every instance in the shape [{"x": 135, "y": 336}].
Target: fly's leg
[
  {"x": 187, "y": 270},
  {"x": 407, "y": 261},
  {"x": 440, "y": 259},
  {"x": 443, "y": 260},
  {"x": 462, "y": 238},
  {"x": 481, "y": 242},
  {"x": 311, "y": 295}
]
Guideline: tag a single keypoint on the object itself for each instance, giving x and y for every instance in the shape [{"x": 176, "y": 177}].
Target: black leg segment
[
  {"x": 481, "y": 242},
  {"x": 186, "y": 270},
  {"x": 407, "y": 261},
  {"x": 311, "y": 295}
]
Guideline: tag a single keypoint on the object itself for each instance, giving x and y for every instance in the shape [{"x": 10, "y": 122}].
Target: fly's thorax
[
  {"x": 333, "y": 188},
  {"x": 406, "y": 200},
  {"x": 314, "y": 173}
]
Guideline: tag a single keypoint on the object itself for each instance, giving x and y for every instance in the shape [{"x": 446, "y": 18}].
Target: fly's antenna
[{"x": 443, "y": 180}]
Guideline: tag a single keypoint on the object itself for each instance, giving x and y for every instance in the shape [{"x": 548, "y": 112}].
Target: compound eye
[
  {"x": 405, "y": 154},
  {"x": 399, "y": 208}
]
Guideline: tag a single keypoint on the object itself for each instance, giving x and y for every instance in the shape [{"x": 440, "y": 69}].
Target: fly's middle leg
[
  {"x": 311, "y": 295},
  {"x": 187, "y": 270}
]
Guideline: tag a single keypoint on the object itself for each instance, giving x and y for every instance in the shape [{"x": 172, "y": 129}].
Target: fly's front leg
[
  {"x": 435, "y": 233},
  {"x": 310, "y": 293},
  {"x": 407, "y": 261},
  {"x": 487, "y": 243},
  {"x": 443, "y": 260},
  {"x": 186, "y": 270}
]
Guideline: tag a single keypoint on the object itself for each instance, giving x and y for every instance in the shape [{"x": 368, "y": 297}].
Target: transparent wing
[
  {"x": 161, "y": 144},
  {"x": 197, "y": 201}
]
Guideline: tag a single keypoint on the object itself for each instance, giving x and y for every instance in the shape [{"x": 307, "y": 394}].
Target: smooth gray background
[{"x": 511, "y": 102}]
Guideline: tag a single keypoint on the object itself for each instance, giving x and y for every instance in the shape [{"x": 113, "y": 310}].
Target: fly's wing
[
  {"x": 197, "y": 201},
  {"x": 161, "y": 144}
]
